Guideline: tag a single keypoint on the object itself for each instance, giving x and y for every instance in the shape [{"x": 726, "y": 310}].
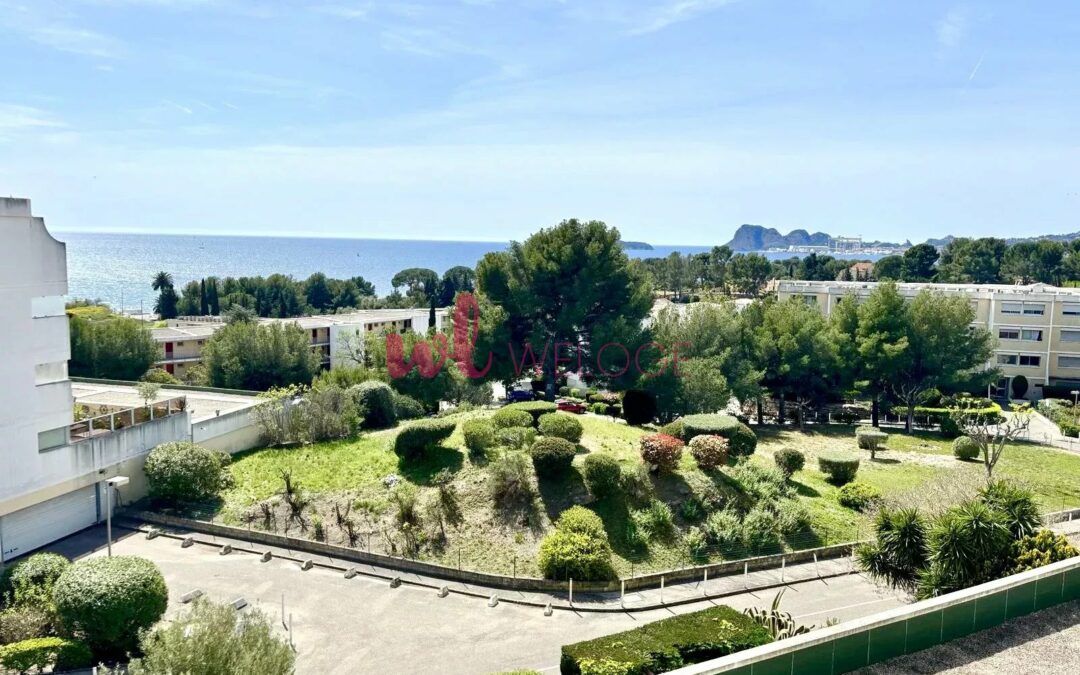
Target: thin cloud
[
  {"x": 952, "y": 28},
  {"x": 76, "y": 41},
  {"x": 14, "y": 117},
  {"x": 174, "y": 104},
  {"x": 643, "y": 18}
]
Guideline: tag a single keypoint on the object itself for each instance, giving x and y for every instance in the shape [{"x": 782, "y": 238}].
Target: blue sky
[{"x": 675, "y": 120}]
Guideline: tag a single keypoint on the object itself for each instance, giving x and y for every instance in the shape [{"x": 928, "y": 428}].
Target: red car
[{"x": 576, "y": 407}]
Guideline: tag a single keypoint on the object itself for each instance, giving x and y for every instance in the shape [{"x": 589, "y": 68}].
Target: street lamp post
[{"x": 110, "y": 484}]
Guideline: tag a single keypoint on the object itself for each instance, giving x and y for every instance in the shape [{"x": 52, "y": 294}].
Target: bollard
[
  {"x": 816, "y": 570},
  {"x": 622, "y": 594},
  {"x": 571, "y": 591},
  {"x": 548, "y": 610},
  {"x": 705, "y": 583},
  {"x": 783, "y": 562},
  {"x": 746, "y": 575},
  {"x": 661, "y": 590}
]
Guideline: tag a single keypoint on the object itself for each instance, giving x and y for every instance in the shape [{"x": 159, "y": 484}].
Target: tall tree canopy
[
  {"x": 248, "y": 355},
  {"x": 114, "y": 348}
]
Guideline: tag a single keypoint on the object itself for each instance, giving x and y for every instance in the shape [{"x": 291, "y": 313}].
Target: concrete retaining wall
[
  {"x": 905, "y": 630},
  {"x": 651, "y": 580},
  {"x": 232, "y": 432}
]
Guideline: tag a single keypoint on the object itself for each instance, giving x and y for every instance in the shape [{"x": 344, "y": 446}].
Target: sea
[{"x": 117, "y": 268}]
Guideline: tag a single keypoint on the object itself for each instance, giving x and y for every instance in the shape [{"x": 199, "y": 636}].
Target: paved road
[{"x": 361, "y": 625}]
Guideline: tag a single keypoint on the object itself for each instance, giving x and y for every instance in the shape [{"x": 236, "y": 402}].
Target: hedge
[
  {"x": 479, "y": 435},
  {"x": 839, "y": 468},
  {"x": 534, "y": 408},
  {"x": 742, "y": 442},
  {"x": 561, "y": 425},
  {"x": 552, "y": 455},
  {"x": 40, "y": 653},
  {"x": 419, "y": 437},
  {"x": 508, "y": 416},
  {"x": 667, "y": 644},
  {"x": 182, "y": 471},
  {"x": 105, "y": 602}
]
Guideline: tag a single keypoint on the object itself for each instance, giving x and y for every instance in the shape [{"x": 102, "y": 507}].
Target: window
[
  {"x": 53, "y": 438},
  {"x": 1031, "y": 335},
  {"x": 1006, "y": 359},
  {"x": 1012, "y": 308},
  {"x": 1070, "y": 336},
  {"x": 1034, "y": 308},
  {"x": 1068, "y": 361},
  {"x": 1030, "y": 360},
  {"x": 1070, "y": 309},
  {"x": 1009, "y": 334}
]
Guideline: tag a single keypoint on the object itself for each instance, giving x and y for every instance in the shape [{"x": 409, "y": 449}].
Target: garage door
[{"x": 41, "y": 524}]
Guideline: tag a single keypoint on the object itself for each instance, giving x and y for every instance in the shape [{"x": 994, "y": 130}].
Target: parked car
[
  {"x": 518, "y": 396},
  {"x": 567, "y": 405}
]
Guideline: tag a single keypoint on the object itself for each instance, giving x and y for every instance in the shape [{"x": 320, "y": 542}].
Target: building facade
[
  {"x": 183, "y": 339},
  {"x": 1037, "y": 327},
  {"x": 53, "y": 466}
]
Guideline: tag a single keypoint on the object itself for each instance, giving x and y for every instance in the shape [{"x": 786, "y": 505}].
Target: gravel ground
[{"x": 1044, "y": 642}]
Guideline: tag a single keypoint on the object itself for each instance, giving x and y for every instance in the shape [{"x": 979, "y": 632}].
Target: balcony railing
[{"x": 128, "y": 417}]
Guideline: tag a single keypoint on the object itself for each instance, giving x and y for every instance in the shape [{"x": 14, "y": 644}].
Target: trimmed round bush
[
  {"x": 709, "y": 451},
  {"x": 839, "y": 468},
  {"x": 32, "y": 578},
  {"x": 741, "y": 439},
  {"x": 577, "y": 549},
  {"x": 661, "y": 452},
  {"x": 183, "y": 472},
  {"x": 965, "y": 448},
  {"x": 479, "y": 435},
  {"x": 561, "y": 425},
  {"x": 552, "y": 455},
  {"x": 105, "y": 602},
  {"x": 40, "y": 653},
  {"x": 676, "y": 429},
  {"x": 858, "y": 496},
  {"x": 638, "y": 407},
  {"x": 534, "y": 408},
  {"x": 423, "y": 435},
  {"x": 375, "y": 401},
  {"x": 602, "y": 474},
  {"x": 508, "y": 416},
  {"x": 407, "y": 407},
  {"x": 789, "y": 460}
]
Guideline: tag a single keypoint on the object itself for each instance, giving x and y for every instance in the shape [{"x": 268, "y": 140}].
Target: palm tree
[{"x": 162, "y": 280}]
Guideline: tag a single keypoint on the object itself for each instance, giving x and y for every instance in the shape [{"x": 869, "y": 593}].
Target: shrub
[
  {"x": 676, "y": 429},
  {"x": 217, "y": 639},
  {"x": 869, "y": 438},
  {"x": 741, "y": 439},
  {"x": 667, "y": 644},
  {"x": 602, "y": 474},
  {"x": 28, "y": 620},
  {"x": 1015, "y": 504},
  {"x": 724, "y": 528},
  {"x": 661, "y": 452},
  {"x": 638, "y": 407},
  {"x": 1040, "y": 549},
  {"x": 654, "y": 521},
  {"x": 552, "y": 455},
  {"x": 105, "y": 602},
  {"x": 561, "y": 425},
  {"x": 577, "y": 549},
  {"x": 423, "y": 435},
  {"x": 515, "y": 438},
  {"x": 840, "y": 468},
  {"x": 636, "y": 483},
  {"x": 159, "y": 376},
  {"x": 182, "y": 471},
  {"x": 709, "y": 451},
  {"x": 791, "y": 517},
  {"x": 479, "y": 435},
  {"x": 692, "y": 509},
  {"x": 789, "y": 460},
  {"x": 697, "y": 543},
  {"x": 760, "y": 529},
  {"x": 965, "y": 448},
  {"x": 407, "y": 407},
  {"x": 564, "y": 391},
  {"x": 44, "y": 652},
  {"x": 858, "y": 496},
  {"x": 508, "y": 416},
  {"x": 510, "y": 480},
  {"x": 761, "y": 483},
  {"x": 375, "y": 401},
  {"x": 31, "y": 580},
  {"x": 599, "y": 408},
  {"x": 534, "y": 408}
]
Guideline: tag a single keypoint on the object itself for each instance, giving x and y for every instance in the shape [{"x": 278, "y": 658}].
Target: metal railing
[{"x": 128, "y": 417}]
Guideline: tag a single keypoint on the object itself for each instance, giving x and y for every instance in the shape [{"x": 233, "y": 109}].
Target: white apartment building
[
  {"x": 1037, "y": 326},
  {"x": 182, "y": 340},
  {"x": 52, "y": 467}
]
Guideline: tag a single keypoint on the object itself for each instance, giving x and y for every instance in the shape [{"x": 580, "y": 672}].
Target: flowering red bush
[
  {"x": 709, "y": 451},
  {"x": 661, "y": 452}
]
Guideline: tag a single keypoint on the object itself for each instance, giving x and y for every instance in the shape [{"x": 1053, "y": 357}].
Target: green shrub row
[
  {"x": 41, "y": 653},
  {"x": 666, "y": 644},
  {"x": 742, "y": 442}
]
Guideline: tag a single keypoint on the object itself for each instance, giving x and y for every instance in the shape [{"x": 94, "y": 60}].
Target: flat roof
[
  {"x": 201, "y": 404},
  {"x": 987, "y": 288},
  {"x": 203, "y": 327}
]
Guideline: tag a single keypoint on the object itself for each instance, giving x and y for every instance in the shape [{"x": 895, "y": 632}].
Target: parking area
[{"x": 361, "y": 625}]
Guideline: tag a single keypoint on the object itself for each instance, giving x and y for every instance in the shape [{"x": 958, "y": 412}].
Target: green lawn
[{"x": 918, "y": 469}]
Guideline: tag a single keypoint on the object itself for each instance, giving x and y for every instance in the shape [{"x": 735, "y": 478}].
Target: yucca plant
[{"x": 779, "y": 624}]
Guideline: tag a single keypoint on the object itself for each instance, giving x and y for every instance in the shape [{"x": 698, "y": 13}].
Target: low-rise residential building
[
  {"x": 53, "y": 466},
  {"x": 1037, "y": 326},
  {"x": 182, "y": 340}
]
